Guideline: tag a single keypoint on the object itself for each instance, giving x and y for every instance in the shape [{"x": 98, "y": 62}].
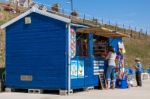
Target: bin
[{"x": 122, "y": 83}]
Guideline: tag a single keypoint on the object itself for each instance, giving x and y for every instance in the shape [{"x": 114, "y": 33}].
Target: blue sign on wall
[
  {"x": 77, "y": 69},
  {"x": 80, "y": 69},
  {"x": 74, "y": 67}
]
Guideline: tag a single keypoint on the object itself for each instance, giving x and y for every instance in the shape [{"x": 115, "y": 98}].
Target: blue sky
[{"x": 128, "y": 12}]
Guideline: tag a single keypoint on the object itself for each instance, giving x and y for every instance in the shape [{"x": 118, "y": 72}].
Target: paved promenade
[{"x": 131, "y": 93}]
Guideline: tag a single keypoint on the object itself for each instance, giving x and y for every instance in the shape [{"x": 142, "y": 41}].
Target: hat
[{"x": 137, "y": 59}]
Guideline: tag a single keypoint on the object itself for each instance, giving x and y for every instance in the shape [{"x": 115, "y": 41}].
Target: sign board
[
  {"x": 77, "y": 69},
  {"x": 26, "y": 78},
  {"x": 27, "y": 20},
  {"x": 80, "y": 69},
  {"x": 74, "y": 67},
  {"x": 98, "y": 67}
]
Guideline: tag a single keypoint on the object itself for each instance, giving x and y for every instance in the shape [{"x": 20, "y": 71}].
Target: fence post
[
  {"x": 116, "y": 27},
  {"x": 141, "y": 32},
  {"x": 105, "y": 25},
  {"x": 129, "y": 30},
  {"x": 146, "y": 34},
  {"x": 135, "y": 32},
  {"x": 109, "y": 22},
  {"x": 131, "y": 33},
  {"x": 84, "y": 18},
  {"x": 102, "y": 21},
  {"x": 124, "y": 29}
]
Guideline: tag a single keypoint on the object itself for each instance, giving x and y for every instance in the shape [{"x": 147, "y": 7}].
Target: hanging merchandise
[
  {"x": 121, "y": 55},
  {"x": 72, "y": 43},
  {"x": 121, "y": 47},
  {"x": 121, "y": 60}
]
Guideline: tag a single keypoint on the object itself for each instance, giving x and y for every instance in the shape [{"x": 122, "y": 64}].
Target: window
[
  {"x": 100, "y": 45},
  {"x": 82, "y": 44}
]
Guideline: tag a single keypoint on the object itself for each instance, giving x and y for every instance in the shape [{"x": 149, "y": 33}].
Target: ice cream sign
[
  {"x": 72, "y": 43},
  {"x": 77, "y": 69}
]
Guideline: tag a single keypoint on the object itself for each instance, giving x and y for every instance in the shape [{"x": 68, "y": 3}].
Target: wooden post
[
  {"x": 116, "y": 27},
  {"x": 146, "y": 34},
  {"x": 131, "y": 33},
  {"x": 84, "y": 18},
  {"x": 141, "y": 31},
  {"x": 140, "y": 34},
  {"x": 135, "y": 32},
  {"x": 124, "y": 30},
  {"x": 109, "y": 22},
  {"x": 129, "y": 30},
  {"x": 105, "y": 25},
  {"x": 102, "y": 21},
  {"x": 63, "y": 12}
]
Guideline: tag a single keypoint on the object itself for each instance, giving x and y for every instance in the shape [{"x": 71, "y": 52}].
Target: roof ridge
[{"x": 36, "y": 10}]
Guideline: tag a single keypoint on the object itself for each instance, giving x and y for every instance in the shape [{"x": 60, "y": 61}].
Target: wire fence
[{"x": 89, "y": 20}]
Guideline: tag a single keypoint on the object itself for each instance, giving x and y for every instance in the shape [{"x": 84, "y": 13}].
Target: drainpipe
[{"x": 69, "y": 60}]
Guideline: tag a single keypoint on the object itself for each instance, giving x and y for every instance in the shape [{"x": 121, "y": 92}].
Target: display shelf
[{"x": 100, "y": 48}]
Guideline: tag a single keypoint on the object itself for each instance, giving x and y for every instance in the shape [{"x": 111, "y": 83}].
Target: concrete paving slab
[{"x": 130, "y": 93}]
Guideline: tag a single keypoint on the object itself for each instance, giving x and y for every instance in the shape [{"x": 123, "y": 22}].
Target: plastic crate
[{"x": 122, "y": 83}]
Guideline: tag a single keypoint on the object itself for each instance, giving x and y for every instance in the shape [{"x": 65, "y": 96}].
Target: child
[{"x": 138, "y": 67}]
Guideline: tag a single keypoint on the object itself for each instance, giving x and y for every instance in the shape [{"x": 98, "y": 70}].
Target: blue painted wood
[
  {"x": 90, "y": 44},
  {"x": 79, "y": 82},
  {"x": 40, "y": 49},
  {"x": 37, "y": 49},
  {"x": 90, "y": 78},
  {"x": 114, "y": 43},
  {"x": 89, "y": 73}
]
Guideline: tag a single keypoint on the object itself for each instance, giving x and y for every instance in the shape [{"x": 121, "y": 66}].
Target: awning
[{"x": 102, "y": 32}]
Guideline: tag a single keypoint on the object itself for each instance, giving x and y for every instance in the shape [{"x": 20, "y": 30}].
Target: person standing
[
  {"x": 110, "y": 74},
  {"x": 138, "y": 66}
]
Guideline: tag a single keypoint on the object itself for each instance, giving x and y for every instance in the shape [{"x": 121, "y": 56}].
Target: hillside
[
  {"x": 135, "y": 47},
  {"x": 4, "y": 17}
]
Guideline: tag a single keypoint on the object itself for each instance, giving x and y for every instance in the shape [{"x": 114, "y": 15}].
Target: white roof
[{"x": 42, "y": 12}]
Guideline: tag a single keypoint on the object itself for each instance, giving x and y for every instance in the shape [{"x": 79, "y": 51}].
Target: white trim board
[{"x": 42, "y": 12}]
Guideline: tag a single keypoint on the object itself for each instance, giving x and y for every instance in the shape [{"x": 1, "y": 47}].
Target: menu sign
[{"x": 98, "y": 67}]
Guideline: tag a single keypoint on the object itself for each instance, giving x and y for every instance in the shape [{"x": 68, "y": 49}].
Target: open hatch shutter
[{"x": 102, "y": 32}]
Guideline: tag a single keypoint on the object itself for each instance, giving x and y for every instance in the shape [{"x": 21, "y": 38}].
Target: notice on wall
[
  {"x": 98, "y": 67},
  {"x": 77, "y": 69},
  {"x": 80, "y": 69},
  {"x": 74, "y": 67}
]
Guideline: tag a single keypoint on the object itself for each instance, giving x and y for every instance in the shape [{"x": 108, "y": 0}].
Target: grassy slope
[
  {"x": 137, "y": 48},
  {"x": 7, "y": 17},
  {"x": 134, "y": 47}
]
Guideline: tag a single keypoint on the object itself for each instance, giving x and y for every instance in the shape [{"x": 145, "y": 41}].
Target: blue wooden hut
[{"x": 47, "y": 51}]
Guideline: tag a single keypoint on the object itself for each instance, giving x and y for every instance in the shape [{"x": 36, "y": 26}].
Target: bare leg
[
  {"x": 108, "y": 84},
  {"x": 113, "y": 85}
]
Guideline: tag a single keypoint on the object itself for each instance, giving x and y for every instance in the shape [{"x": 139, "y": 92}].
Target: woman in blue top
[{"x": 138, "y": 67}]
